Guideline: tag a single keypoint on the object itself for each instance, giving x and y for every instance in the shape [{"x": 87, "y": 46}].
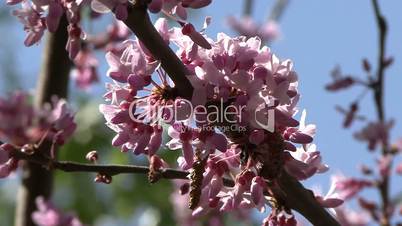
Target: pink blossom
[
  {"x": 155, "y": 140},
  {"x": 111, "y": 39},
  {"x": 33, "y": 23},
  {"x": 182, "y": 138},
  {"x": 61, "y": 119},
  {"x": 189, "y": 30},
  {"x": 118, "y": 70},
  {"x": 269, "y": 31},
  {"x": 339, "y": 81},
  {"x": 303, "y": 135},
  {"x": 48, "y": 215},
  {"x": 279, "y": 219},
  {"x": 85, "y": 72},
  {"x": 305, "y": 162},
  {"x": 18, "y": 113},
  {"x": 7, "y": 163},
  {"x": 350, "y": 114},
  {"x": 233, "y": 70},
  {"x": 375, "y": 133},
  {"x": 348, "y": 217},
  {"x": 211, "y": 140},
  {"x": 257, "y": 190},
  {"x": 103, "y": 6},
  {"x": 26, "y": 125},
  {"x": 347, "y": 188},
  {"x": 332, "y": 199},
  {"x": 73, "y": 45},
  {"x": 178, "y": 7}
]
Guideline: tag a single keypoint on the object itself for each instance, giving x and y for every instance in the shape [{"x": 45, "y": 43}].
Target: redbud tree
[{"x": 218, "y": 117}]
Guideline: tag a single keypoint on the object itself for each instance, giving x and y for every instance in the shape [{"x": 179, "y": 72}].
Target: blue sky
[{"x": 316, "y": 35}]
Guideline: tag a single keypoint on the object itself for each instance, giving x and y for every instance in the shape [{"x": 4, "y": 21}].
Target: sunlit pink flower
[
  {"x": 118, "y": 7},
  {"x": 189, "y": 30},
  {"x": 182, "y": 138},
  {"x": 304, "y": 163},
  {"x": 347, "y": 188},
  {"x": 348, "y": 217},
  {"x": 303, "y": 135},
  {"x": 332, "y": 199}
]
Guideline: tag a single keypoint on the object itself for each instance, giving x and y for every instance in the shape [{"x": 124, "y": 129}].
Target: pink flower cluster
[
  {"x": 183, "y": 215},
  {"x": 235, "y": 71},
  {"x": 169, "y": 7},
  {"x": 37, "y": 16},
  {"x": 32, "y": 16},
  {"x": 48, "y": 215},
  {"x": 27, "y": 126}
]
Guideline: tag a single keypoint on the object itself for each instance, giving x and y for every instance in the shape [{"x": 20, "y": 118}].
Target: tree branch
[
  {"x": 378, "y": 90},
  {"x": 303, "y": 201},
  {"x": 138, "y": 21},
  {"x": 110, "y": 170},
  {"x": 53, "y": 80},
  {"x": 296, "y": 195},
  {"x": 278, "y": 10},
  {"x": 248, "y": 7}
]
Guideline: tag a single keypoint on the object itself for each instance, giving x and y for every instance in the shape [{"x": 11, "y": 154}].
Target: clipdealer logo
[{"x": 260, "y": 114}]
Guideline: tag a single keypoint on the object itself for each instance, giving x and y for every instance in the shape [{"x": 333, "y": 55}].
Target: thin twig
[
  {"x": 278, "y": 10},
  {"x": 248, "y": 7},
  {"x": 107, "y": 169},
  {"x": 379, "y": 103}
]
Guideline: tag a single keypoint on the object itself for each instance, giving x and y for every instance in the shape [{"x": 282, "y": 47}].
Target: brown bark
[{"x": 53, "y": 81}]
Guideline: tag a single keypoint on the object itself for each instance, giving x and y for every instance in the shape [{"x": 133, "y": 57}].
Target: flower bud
[
  {"x": 28, "y": 149},
  {"x": 103, "y": 178},
  {"x": 366, "y": 65},
  {"x": 92, "y": 156}
]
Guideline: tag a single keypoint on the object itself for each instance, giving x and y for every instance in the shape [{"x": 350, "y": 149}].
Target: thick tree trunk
[{"x": 53, "y": 81}]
